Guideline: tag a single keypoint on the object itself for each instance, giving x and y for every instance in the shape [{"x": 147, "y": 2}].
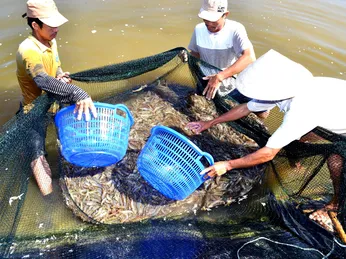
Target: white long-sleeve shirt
[{"x": 320, "y": 104}]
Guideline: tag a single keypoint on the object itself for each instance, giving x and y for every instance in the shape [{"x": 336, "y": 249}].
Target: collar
[
  {"x": 41, "y": 46},
  {"x": 220, "y": 31}
]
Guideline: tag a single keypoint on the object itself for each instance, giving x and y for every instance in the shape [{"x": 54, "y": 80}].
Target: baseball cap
[
  {"x": 273, "y": 77},
  {"x": 46, "y": 11},
  {"x": 212, "y": 10}
]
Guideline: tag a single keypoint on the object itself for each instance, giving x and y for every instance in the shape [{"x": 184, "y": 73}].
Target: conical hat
[{"x": 272, "y": 77}]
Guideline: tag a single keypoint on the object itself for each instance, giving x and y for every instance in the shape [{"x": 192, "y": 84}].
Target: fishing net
[{"x": 112, "y": 212}]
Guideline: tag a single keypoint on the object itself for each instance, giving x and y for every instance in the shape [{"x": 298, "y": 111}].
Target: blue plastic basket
[
  {"x": 101, "y": 141},
  {"x": 172, "y": 164}
]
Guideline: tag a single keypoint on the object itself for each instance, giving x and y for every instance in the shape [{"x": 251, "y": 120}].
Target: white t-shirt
[
  {"x": 220, "y": 49},
  {"x": 320, "y": 104}
]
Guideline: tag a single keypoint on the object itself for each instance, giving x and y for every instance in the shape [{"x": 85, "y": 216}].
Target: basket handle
[
  {"x": 182, "y": 137},
  {"x": 208, "y": 157},
  {"x": 210, "y": 161},
  {"x": 125, "y": 109}
]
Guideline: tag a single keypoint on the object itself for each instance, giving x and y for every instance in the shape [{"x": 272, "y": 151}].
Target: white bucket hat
[
  {"x": 272, "y": 77},
  {"x": 46, "y": 11},
  {"x": 212, "y": 10}
]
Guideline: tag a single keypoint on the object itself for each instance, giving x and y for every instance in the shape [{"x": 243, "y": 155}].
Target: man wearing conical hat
[{"x": 306, "y": 105}]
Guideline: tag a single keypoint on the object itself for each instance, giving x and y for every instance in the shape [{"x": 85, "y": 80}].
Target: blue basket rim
[
  {"x": 97, "y": 105},
  {"x": 185, "y": 139}
]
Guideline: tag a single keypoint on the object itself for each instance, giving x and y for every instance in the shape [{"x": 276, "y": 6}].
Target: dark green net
[{"x": 270, "y": 223}]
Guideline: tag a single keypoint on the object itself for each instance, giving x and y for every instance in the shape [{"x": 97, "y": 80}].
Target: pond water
[{"x": 101, "y": 32}]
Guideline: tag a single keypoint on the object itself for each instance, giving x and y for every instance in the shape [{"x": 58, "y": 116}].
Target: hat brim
[
  {"x": 272, "y": 77},
  {"x": 209, "y": 16},
  {"x": 54, "y": 21}
]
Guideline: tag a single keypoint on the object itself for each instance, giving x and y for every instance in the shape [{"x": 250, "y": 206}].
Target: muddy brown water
[{"x": 103, "y": 31}]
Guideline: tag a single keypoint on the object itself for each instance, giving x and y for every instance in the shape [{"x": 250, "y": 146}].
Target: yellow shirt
[{"x": 32, "y": 58}]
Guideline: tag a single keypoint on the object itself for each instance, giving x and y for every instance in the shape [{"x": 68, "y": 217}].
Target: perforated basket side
[
  {"x": 171, "y": 163},
  {"x": 101, "y": 141}
]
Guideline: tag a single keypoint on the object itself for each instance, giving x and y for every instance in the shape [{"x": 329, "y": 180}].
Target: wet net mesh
[{"x": 112, "y": 212}]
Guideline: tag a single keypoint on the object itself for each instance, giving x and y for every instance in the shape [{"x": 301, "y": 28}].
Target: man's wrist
[
  {"x": 220, "y": 77},
  {"x": 212, "y": 123},
  {"x": 229, "y": 165},
  {"x": 79, "y": 95}
]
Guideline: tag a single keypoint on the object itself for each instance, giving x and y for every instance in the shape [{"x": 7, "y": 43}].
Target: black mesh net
[{"x": 112, "y": 212}]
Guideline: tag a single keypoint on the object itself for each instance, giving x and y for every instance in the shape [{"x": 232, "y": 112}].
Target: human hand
[
  {"x": 213, "y": 84},
  {"x": 183, "y": 56},
  {"x": 84, "y": 106},
  {"x": 64, "y": 77},
  {"x": 217, "y": 169},
  {"x": 54, "y": 108},
  {"x": 198, "y": 126},
  {"x": 27, "y": 108}
]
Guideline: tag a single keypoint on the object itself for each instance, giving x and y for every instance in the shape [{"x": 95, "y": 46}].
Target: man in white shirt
[
  {"x": 222, "y": 43},
  {"x": 269, "y": 83}
]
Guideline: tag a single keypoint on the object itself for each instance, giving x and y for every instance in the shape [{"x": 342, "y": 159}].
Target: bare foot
[
  {"x": 322, "y": 218},
  {"x": 263, "y": 115},
  {"x": 298, "y": 166},
  {"x": 295, "y": 164},
  {"x": 43, "y": 175}
]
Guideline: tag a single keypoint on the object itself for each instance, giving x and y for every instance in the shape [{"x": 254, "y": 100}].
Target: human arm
[
  {"x": 184, "y": 56},
  {"x": 195, "y": 54},
  {"x": 247, "y": 57},
  {"x": 67, "y": 93},
  {"x": 235, "y": 113},
  {"x": 192, "y": 48},
  {"x": 260, "y": 156},
  {"x": 63, "y": 92},
  {"x": 63, "y": 76},
  {"x": 32, "y": 72},
  {"x": 292, "y": 128},
  {"x": 245, "y": 53}
]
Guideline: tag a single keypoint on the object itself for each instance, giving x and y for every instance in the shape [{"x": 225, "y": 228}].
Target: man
[
  {"x": 222, "y": 43},
  {"x": 269, "y": 82},
  {"x": 38, "y": 70}
]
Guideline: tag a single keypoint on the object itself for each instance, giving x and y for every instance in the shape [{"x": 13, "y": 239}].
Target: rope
[{"x": 286, "y": 244}]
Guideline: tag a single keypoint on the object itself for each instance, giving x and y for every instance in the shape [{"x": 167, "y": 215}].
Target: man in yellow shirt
[{"x": 39, "y": 69}]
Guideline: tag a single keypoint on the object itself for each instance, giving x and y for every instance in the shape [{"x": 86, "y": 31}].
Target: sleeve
[
  {"x": 193, "y": 42},
  {"x": 292, "y": 128},
  {"x": 61, "y": 91},
  {"x": 258, "y": 106},
  {"x": 241, "y": 40},
  {"x": 33, "y": 63}
]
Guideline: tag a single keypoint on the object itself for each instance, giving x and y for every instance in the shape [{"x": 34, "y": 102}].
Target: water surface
[{"x": 101, "y": 32}]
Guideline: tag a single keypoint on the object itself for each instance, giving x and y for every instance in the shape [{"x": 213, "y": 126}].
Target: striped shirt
[{"x": 65, "y": 93}]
